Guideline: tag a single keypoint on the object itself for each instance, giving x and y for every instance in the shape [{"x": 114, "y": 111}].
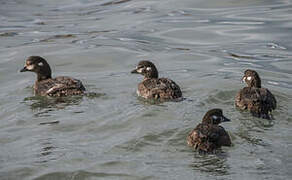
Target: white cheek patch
[
  {"x": 30, "y": 67},
  {"x": 140, "y": 70},
  {"x": 248, "y": 78},
  {"x": 40, "y": 63},
  {"x": 215, "y": 117},
  {"x": 148, "y": 68}
]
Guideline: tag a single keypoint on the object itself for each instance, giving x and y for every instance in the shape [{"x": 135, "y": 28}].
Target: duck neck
[
  {"x": 255, "y": 83},
  {"x": 41, "y": 77},
  {"x": 151, "y": 75}
]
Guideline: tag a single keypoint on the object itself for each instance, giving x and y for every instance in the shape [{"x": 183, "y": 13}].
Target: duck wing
[
  {"x": 204, "y": 137},
  {"x": 208, "y": 137},
  {"x": 161, "y": 88},
  {"x": 268, "y": 98},
  {"x": 239, "y": 100},
  {"x": 223, "y": 137},
  {"x": 59, "y": 86},
  {"x": 259, "y": 101}
]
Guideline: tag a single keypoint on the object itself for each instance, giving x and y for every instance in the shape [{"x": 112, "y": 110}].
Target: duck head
[
  {"x": 214, "y": 116},
  {"x": 39, "y": 66},
  {"x": 251, "y": 78},
  {"x": 147, "y": 69}
]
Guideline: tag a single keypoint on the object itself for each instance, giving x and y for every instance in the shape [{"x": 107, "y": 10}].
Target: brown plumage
[
  {"x": 153, "y": 87},
  {"x": 208, "y": 136},
  {"x": 45, "y": 85},
  {"x": 259, "y": 101}
]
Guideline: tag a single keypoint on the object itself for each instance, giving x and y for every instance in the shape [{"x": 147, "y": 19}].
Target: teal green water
[{"x": 204, "y": 46}]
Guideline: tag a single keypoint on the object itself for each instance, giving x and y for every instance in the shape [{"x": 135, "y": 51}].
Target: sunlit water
[{"x": 204, "y": 45}]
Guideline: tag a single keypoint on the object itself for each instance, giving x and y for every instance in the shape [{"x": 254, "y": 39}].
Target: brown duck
[
  {"x": 153, "y": 87},
  {"x": 259, "y": 101},
  {"x": 45, "y": 85},
  {"x": 208, "y": 136}
]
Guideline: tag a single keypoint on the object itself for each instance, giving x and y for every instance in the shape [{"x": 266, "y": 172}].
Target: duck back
[
  {"x": 259, "y": 101},
  {"x": 159, "y": 88},
  {"x": 59, "y": 86},
  {"x": 208, "y": 138}
]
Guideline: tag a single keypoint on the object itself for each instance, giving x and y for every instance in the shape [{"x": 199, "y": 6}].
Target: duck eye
[{"x": 148, "y": 68}]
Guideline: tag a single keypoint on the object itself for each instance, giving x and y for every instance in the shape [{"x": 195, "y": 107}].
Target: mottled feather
[
  {"x": 259, "y": 101},
  {"x": 159, "y": 88},
  {"x": 45, "y": 85},
  {"x": 208, "y": 137},
  {"x": 59, "y": 86},
  {"x": 153, "y": 87}
]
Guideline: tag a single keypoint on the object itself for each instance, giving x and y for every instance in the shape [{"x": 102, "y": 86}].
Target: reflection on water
[
  {"x": 86, "y": 175},
  {"x": 41, "y": 105},
  {"x": 47, "y": 150},
  {"x": 115, "y": 2},
  {"x": 157, "y": 102},
  {"x": 46, "y": 103},
  {"x": 221, "y": 97},
  {"x": 44, "y": 106},
  {"x": 244, "y": 134},
  {"x": 211, "y": 164}
]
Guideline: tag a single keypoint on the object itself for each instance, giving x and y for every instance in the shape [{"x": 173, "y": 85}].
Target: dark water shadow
[
  {"x": 142, "y": 143},
  {"x": 93, "y": 95},
  {"x": 47, "y": 151},
  {"x": 214, "y": 164},
  {"x": 249, "y": 138},
  {"x": 251, "y": 129},
  {"x": 81, "y": 174},
  {"x": 42, "y": 105},
  {"x": 221, "y": 97},
  {"x": 8, "y": 34},
  {"x": 56, "y": 37},
  {"x": 38, "y": 103},
  {"x": 158, "y": 102},
  {"x": 115, "y": 2}
]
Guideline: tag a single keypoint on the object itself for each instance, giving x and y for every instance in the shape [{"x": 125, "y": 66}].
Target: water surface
[{"x": 203, "y": 45}]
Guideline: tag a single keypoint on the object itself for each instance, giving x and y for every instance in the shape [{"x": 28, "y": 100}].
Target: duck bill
[
  {"x": 24, "y": 69},
  {"x": 135, "y": 71},
  {"x": 225, "y": 119}
]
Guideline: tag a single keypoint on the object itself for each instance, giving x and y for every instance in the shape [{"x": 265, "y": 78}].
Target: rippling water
[{"x": 203, "y": 45}]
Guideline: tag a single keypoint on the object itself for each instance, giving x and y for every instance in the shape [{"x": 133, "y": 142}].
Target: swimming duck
[
  {"x": 259, "y": 101},
  {"x": 208, "y": 136},
  {"x": 46, "y": 85},
  {"x": 153, "y": 87}
]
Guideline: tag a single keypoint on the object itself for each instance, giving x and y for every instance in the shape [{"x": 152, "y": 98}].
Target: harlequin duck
[
  {"x": 259, "y": 101},
  {"x": 153, "y": 87},
  {"x": 208, "y": 136},
  {"x": 46, "y": 85}
]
